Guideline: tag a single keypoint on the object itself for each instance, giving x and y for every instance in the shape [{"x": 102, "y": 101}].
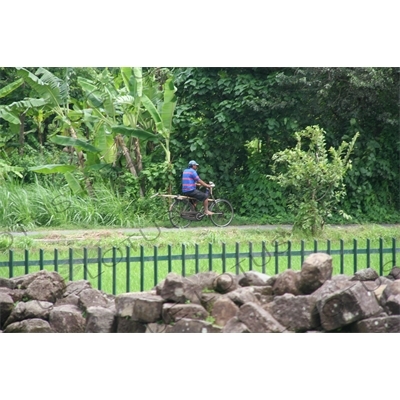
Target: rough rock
[
  {"x": 258, "y": 320},
  {"x": 48, "y": 286},
  {"x": 127, "y": 325},
  {"x": 6, "y": 307},
  {"x": 203, "y": 280},
  {"x": 386, "y": 324},
  {"x": 187, "y": 325},
  {"x": 76, "y": 287},
  {"x": 390, "y": 298},
  {"x": 343, "y": 307},
  {"x": 173, "y": 312},
  {"x": 315, "y": 271},
  {"x": 208, "y": 299},
  {"x": 367, "y": 274},
  {"x": 394, "y": 274},
  {"x": 140, "y": 307},
  {"x": 67, "y": 319},
  {"x": 235, "y": 326},
  {"x": 92, "y": 298},
  {"x": 225, "y": 283},
  {"x": 7, "y": 283},
  {"x": 30, "y": 310},
  {"x": 242, "y": 295},
  {"x": 34, "y": 325},
  {"x": 179, "y": 290},
  {"x": 100, "y": 320},
  {"x": 224, "y": 309},
  {"x": 296, "y": 313},
  {"x": 254, "y": 278},
  {"x": 287, "y": 282},
  {"x": 156, "y": 327},
  {"x": 72, "y": 299}
]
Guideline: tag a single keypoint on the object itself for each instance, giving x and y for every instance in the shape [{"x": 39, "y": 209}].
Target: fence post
[
  {"x": 155, "y": 265},
  {"x": 99, "y": 266},
  {"x": 355, "y": 258},
  {"x": 223, "y": 258},
  {"x": 210, "y": 253},
  {"x": 341, "y": 256},
  {"x": 10, "y": 263},
  {"x": 250, "y": 256},
  {"x": 27, "y": 262},
  {"x": 128, "y": 268}
]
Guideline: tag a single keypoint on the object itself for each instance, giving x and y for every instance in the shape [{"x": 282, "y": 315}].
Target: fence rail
[{"x": 116, "y": 270}]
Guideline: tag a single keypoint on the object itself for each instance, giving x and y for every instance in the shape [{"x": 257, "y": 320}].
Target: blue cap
[{"x": 192, "y": 162}]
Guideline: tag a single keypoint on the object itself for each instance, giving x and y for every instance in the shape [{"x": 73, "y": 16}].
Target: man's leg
[{"x": 206, "y": 212}]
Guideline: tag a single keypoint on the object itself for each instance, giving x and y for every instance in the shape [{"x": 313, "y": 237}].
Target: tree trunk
[
  {"x": 81, "y": 161},
  {"x": 119, "y": 140},
  {"x": 139, "y": 164}
]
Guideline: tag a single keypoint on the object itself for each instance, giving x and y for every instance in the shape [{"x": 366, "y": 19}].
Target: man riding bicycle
[{"x": 189, "y": 180}]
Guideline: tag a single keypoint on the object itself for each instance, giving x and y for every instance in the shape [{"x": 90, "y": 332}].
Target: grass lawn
[{"x": 222, "y": 250}]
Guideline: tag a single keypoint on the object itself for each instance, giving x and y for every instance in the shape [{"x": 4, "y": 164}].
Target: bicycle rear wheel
[
  {"x": 177, "y": 207},
  {"x": 223, "y": 212}
]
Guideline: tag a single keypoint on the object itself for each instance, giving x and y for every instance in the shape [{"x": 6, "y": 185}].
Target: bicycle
[{"x": 183, "y": 210}]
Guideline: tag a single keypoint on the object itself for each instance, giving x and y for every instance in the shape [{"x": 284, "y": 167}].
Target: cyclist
[{"x": 189, "y": 180}]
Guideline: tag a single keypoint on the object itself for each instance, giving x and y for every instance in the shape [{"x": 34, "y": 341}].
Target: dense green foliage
[
  {"x": 132, "y": 131},
  {"x": 314, "y": 178}
]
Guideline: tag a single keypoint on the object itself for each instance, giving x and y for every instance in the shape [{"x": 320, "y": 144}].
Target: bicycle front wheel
[
  {"x": 177, "y": 207},
  {"x": 223, "y": 212}
]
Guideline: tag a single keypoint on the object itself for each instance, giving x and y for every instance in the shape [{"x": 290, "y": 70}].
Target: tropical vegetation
[{"x": 110, "y": 138}]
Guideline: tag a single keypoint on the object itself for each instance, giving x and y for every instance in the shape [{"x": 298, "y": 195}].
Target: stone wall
[{"x": 310, "y": 300}]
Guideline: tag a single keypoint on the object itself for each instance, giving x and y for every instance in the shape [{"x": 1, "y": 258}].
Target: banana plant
[
  {"x": 116, "y": 105},
  {"x": 54, "y": 97}
]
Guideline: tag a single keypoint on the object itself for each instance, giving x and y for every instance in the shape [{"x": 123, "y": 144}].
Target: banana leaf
[
  {"x": 53, "y": 169},
  {"x": 78, "y": 143},
  {"x": 139, "y": 133}
]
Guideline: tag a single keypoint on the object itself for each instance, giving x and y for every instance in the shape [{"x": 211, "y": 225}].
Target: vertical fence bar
[
  {"x": 196, "y": 258},
  {"x": 328, "y": 246},
  {"x": 355, "y": 258},
  {"x": 368, "y": 253},
  {"x": 128, "y": 268},
  {"x": 315, "y": 246},
  {"x": 341, "y": 256},
  {"x": 302, "y": 245},
  {"x": 169, "y": 258},
  {"x": 237, "y": 257},
  {"x": 250, "y": 256},
  {"x": 380, "y": 256},
  {"x": 99, "y": 266},
  {"x": 71, "y": 264},
  {"x": 263, "y": 251},
  {"x": 41, "y": 259},
  {"x": 141, "y": 268},
  {"x": 155, "y": 265},
  {"x": 289, "y": 256},
  {"x": 85, "y": 264},
  {"x": 183, "y": 260},
  {"x": 11, "y": 263},
  {"x": 276, "y": 253},
  {"x": 56, "y": 260},
  {"x": 223, "y": 255},
  {"x": 394, "y": 251},
  {"x": 27, "y": 262},
  {"x": 210, "y": 253},
  {"x": 114, "y": 270}
]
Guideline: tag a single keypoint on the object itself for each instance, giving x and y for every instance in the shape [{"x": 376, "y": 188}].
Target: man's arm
[{"x": 202, "y": 183}]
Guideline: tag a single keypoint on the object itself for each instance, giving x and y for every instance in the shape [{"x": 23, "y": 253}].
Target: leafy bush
[{"x": 314, "y": 177}]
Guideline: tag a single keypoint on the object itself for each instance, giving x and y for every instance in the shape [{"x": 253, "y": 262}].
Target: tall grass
[{"x": 34, "y": 205}]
